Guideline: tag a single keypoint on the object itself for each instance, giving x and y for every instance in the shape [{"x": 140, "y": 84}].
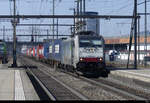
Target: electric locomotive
[{"x": 84, "y": 52}]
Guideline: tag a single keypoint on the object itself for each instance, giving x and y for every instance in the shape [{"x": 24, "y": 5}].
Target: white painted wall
[
  {"x": 141, "y": 47},
  {"x": 124, "y": 56}
]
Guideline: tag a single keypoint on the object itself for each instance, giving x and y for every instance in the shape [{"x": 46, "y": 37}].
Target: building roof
[{"x": 124, "y": 40}]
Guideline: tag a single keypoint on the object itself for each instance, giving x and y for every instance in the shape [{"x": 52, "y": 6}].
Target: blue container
[
  {"x": 46, "y": 50},
  {"x": 57, "y": 49},
  {"x": 50, "y": 51},
  {"x": 35, "y": 51},
  {"x": 53, "y": 50}
]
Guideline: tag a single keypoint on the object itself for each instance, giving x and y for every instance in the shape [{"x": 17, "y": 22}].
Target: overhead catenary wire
[{"x": 108, "y": 2}]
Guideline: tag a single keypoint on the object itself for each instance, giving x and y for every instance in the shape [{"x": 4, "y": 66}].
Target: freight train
[{"x": 82, "y": 52}]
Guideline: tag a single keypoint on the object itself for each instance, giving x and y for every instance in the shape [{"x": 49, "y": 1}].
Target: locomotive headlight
[
  {"x": 81, "y": 59},
  {"x": 101, "y": 59}
]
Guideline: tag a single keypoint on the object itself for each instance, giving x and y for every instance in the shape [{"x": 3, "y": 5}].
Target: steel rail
[
  {"x": 107, "y": 86},
  {"x": 71, "y": 89},
  {"x": 103, "y": 85},
  {"x": 51, "y": 97},
  {"x": 114, "y": 89},
  {"x": 82, "y": 97},
  {"x": 42, "y": 85}
]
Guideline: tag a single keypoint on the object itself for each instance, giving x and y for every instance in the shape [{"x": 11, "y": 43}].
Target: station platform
[
  {"x": 15, "y": 84},
  {"x": 139, "y": 74}
]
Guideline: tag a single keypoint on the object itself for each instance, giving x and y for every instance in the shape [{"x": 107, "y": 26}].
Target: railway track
[
  {"x": 125, "y": 91},
  {"x": 55, "y": 89},
  {"x": 129, "y": 93}
]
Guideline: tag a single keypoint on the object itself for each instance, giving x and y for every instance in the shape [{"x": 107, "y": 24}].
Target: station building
[{"x": 121, "y": 44}]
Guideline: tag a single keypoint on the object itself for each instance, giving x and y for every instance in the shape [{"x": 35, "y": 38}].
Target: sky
[{"x": 112, "y": 27}]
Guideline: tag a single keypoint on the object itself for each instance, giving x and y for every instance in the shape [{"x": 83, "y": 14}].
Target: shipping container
[
  {"x": 57, "y": 49},
  {"x": 46, "y": 50},
  {"x": 30, "y": 50},
  {"x": 27, "y": 52},
  {"x": 53, "y": 50},
  {"x": 33, "y": 51},
  {"x": 40, "y": 52},
  {"x": 50, "y": 51}
]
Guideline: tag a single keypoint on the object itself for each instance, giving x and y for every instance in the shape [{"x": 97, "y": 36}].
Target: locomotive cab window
[{"x": 90, "y": 43}]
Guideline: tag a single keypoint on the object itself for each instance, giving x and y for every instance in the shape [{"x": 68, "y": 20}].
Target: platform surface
[
  {"x": 140, "y": 74},
  {"x": 6, "y": 83},
  {"x": 15, "y": 84}
]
